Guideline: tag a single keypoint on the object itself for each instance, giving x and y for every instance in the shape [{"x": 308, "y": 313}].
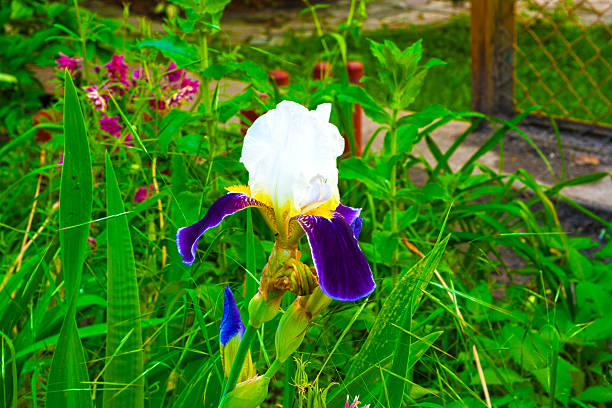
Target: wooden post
[
  {"x": 492, "y": 46},
  {"x": 321, "y": 71}
]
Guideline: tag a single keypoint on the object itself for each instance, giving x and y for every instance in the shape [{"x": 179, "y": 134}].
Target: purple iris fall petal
[
  {"x": 343, "y": 271},
  {"x": 351, "y": 215},
  {"x": 231, "y": 324},
  {"x": 187, "y": 238}
]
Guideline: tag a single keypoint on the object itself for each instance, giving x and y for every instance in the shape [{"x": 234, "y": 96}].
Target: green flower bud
[
  {"x": 228, "y": 352},
  {"x": 261, "y": 311},
  {"x": 247, "y": 394},
  {"x": 294, "y": 323}
]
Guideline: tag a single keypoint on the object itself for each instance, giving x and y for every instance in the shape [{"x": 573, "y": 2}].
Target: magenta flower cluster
[
  {"x": 111, "y": 125},
  {"x": 73, "y": 64},
  {"x": 143, "y": 193},
  {"x": 176, "y": 88}
]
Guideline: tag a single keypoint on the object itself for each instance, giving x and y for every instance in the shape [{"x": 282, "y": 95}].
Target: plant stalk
[
  {"x": 273, "y": 369},
  {"x": 83, "y": 41},
  {"x": 394, "y": 226}
]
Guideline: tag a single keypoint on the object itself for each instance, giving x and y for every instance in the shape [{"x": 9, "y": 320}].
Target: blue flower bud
[
  {"x": 231, "y": 323},
  {"x": 230, "y": 336}
]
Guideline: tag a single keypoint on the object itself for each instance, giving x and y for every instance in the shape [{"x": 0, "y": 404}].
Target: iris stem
[
  {"x": 243, "y": 348},
  {"x": 276, "y": 365}
]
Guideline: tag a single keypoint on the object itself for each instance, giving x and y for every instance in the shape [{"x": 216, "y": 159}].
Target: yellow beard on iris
[{"x": 285, "y": 213}]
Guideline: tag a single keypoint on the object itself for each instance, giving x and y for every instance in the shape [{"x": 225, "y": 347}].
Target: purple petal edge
[
  {"x": 352, "y": 216},
  {"x": 187, "y": 238},
  {"x": 343, "y": 271},
  {"x": 231, "y": 323}
]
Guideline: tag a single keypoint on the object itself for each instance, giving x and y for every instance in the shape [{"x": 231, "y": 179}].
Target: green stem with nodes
[
  {"x": 83, "y": 41},
  {"x": 394, "y": 226},
  {"x": 203, "y": 95},
  {"x": 243, "y": 348}
]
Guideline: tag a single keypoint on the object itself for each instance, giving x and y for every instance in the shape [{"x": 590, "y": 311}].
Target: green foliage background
[{"x": 470, "y": 263}]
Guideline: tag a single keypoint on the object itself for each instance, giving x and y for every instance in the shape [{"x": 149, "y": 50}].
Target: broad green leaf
[
  {"x": 247, "y": 71},
  {"x": 84, "y": 332},
  {"x": 357, "y": 94},
  {"x": 124, "y": 383},
  {"x": 171, "y": 125},
  {"x": 356, "y": 168},
  {"x": 229, "y": 108},
  {"x": 597, "y": 393},
  {"x": 425, "y": 117},
  {"x": 67, "y": 385},
  {"x": 216, "y": 6},
  {"x": 174, "y": 48}
]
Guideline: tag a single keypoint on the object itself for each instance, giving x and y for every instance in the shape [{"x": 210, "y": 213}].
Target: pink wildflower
[
  {"x": 138, "y": 74},
  {"x": 92, "y": 242},
  {"x": 72, "y": 64},
  {"x": 94, "y": 96},
  {"x": 117, "y": 69},
  {"x": 173, "y": 74},
  {"x": 128, "y": 140},
  {"x": 189, "y": 87},
  {"x": 111, "y": 125},
  {"x": 61, "y": 160},
  {"x": 355, "y": 403},
  {"x": 157, "y": 104},
  {"x": 143, "y": 193}
]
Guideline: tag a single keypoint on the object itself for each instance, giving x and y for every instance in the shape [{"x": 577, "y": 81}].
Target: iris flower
[{"x": 290, "y": 153}]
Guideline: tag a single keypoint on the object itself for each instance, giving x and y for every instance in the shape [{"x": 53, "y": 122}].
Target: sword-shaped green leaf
[
  {"x": 123, "y": 380},
  {"x": 379, "y": 351},
  {"x": 68, "y": 383}
]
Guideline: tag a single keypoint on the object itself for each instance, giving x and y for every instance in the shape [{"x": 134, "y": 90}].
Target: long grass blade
[
  {"x": 67, "y": 385},
  {"x": 380, "y": 346},
  {"x": 123, "y": 310}
]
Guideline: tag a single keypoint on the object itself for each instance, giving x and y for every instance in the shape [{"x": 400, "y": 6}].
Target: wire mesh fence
[{"x": 563, "y": 59}]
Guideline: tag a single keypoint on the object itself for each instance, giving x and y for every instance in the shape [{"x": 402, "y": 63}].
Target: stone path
[{"x": 267, "y": 26}]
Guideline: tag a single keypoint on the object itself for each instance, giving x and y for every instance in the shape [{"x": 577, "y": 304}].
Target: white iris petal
[{"x": 290, "y": 154}]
